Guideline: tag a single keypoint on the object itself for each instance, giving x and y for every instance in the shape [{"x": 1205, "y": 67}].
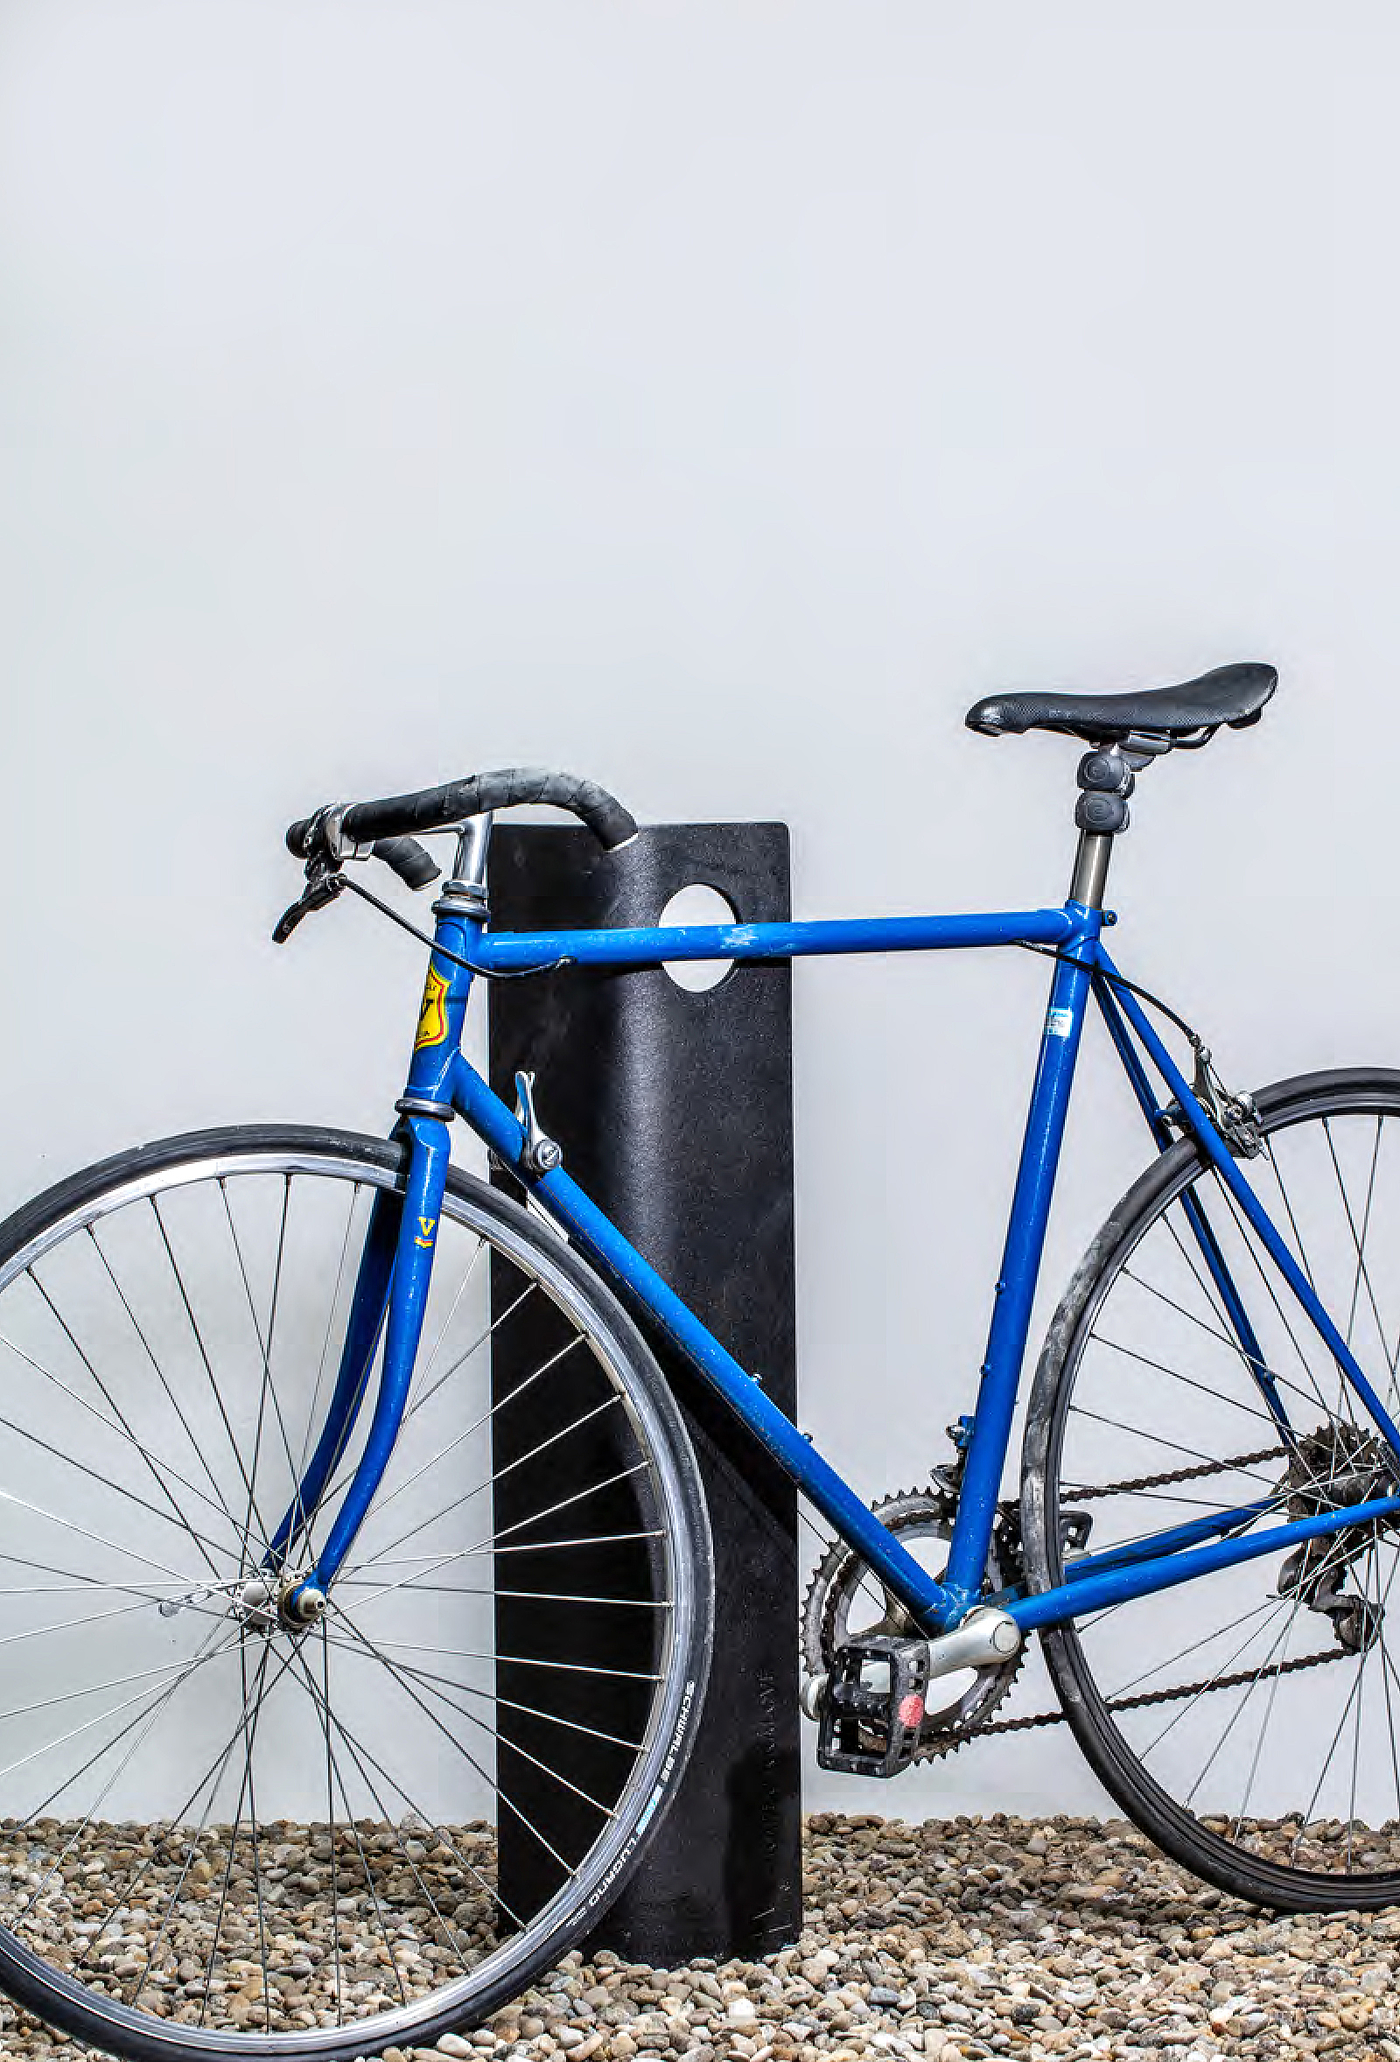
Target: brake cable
[
  {"x": 1117, "y": 980},
  {"x": 445, "y": 952}
]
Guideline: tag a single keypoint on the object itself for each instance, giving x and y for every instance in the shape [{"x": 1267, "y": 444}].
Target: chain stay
[{"x": 1181, "y": 1691}]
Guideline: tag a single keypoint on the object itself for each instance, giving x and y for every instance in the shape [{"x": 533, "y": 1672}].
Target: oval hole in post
[{"x": 697, "y": 905}]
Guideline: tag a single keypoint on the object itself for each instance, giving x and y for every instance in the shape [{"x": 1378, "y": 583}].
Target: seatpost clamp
[{"x": 1106, "y": 780}]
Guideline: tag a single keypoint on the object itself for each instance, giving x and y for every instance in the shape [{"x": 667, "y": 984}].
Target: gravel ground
[{"x": 970, "y": 1937}]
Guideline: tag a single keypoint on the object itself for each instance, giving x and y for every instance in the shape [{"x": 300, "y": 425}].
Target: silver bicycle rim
[
  {"x": 1236, "y": 1697},
  {"x": 83, "y": 1406}
]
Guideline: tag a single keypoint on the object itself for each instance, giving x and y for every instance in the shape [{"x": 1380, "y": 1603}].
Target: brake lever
[{"x": 322, "y": 886}]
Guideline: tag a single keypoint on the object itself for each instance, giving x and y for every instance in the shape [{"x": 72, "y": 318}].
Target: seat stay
[
  {"x": 1253, "y": 1210},
  {"x": 1237, "y": 1316}
]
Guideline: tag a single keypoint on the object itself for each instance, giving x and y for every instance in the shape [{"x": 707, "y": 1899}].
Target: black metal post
[{"x": 674, "y": 1111}]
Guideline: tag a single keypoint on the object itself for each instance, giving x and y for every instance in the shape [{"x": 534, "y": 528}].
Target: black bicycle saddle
[{"x": 1231, "y": 694}]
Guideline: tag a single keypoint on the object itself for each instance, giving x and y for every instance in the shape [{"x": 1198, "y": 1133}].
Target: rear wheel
[
  {"x": 223, "y": 1834},
  {"x": 1249, "y": 1720}
]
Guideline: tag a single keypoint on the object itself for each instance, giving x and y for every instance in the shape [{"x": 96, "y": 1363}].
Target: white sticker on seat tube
[{"x": 1059, "y": 1023}]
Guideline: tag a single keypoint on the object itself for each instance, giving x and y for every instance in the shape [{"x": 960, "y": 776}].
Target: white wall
[{"x": 716, "y": 399}]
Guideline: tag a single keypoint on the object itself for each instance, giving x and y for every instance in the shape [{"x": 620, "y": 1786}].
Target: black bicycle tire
[
  {"x": 61, "y": 2003},
  {"x": 1176, "y": 1831}
]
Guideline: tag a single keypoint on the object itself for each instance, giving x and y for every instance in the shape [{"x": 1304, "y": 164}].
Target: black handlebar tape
[
  {"x": 406, "y": 858},
  {"x": 510, "y": 788}
]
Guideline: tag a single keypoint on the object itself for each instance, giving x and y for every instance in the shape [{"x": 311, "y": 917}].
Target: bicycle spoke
[
  {"x": 105, "y": 1482},
  {"x": 213, "y": 1775},
  {"x": 330, "y": 1821},
  {"x": 159, "y": 1703},
  {"x": 1174, "y": 1660},
  {"x": 359, "y": 1748},
  {"x": 1358, "y": 1240},
  {"x": 118, "y": 1422},
  {"x": 214, "y": 1388},
  {"x": 156, "y": 1461},
  {"x": 486, "y": 1416},
  {"x": 534, "y": 1596},
  {"x": 84, "y": 1532},
  {"x": 248, "y": 1738},
  {"x": 491, "y": 1544},
  {"x": 1225, "y": 1668},
  {"x": 368, "y": 1875},
  {"x": 494, "y": 1697},
  {"x": 1175, "y": 1375},
  {"x": 312, "y": 1420},
  {"x": 1280, "y": 1648},
  {"x": 264, "y": 1346},
  {"x": 1214, "y": 1304},
  {"x": 1343, "y": 1389},
  {"x": 1247, "y": 1241},
  {"x": 511, "y": 1806},
  {"x": 431, "y": 1684},
  {"x": 417, "y": 1402},
  {"x": 160, "y": 1375},
  {"x": 1363, "y": 1273},
  {"x": 309, "y": 1684}
]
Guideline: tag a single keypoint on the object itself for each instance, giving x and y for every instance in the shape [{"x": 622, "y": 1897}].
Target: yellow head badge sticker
[{"x": 432, "y": 1018}]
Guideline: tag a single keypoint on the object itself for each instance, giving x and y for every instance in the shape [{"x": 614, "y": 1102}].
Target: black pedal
[{"x": 874, "y": 1706}]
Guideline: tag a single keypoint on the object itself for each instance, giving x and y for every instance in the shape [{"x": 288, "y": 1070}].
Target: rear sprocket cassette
[{"x": 846, "y": 1599}]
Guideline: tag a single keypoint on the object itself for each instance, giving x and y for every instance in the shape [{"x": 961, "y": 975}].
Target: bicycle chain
[
  {"x": 1182, "y": 1690},
  {"x": 1241, "y": 1460},
  {"x": 1037, "y": 1721}
]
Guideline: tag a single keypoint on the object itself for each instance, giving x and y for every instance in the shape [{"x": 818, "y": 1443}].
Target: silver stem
[{"x": 473, "y": 847}]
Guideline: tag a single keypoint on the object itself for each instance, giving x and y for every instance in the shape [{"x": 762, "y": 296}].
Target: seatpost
[
  {"x": 1105, "y": 783},
  {"x": 1090, "y": 877}
]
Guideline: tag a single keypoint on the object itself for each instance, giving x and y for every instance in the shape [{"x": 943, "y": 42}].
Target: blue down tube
[{"x": 834, "y": 1497}]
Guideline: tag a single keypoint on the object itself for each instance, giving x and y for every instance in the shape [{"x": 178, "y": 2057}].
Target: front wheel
[
  {"x": 1248, "y": 1721},
  {"x": 227, "y": 1834}
]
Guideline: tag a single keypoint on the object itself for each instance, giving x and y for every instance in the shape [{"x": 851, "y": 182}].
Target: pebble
[{"x": 957, "y": 1940}]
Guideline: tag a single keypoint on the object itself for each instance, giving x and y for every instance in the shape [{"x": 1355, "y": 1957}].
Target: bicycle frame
[{"x": 396, "y": 1265}]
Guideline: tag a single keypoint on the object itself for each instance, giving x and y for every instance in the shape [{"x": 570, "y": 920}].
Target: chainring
[{"x": 830, "y": 1617}]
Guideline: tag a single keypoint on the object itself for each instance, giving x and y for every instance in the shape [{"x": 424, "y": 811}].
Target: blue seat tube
[{"x": 1020, "y": 1266}]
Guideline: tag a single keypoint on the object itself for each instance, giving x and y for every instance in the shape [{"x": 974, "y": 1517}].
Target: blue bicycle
[{"x": 355, "y": 1580}]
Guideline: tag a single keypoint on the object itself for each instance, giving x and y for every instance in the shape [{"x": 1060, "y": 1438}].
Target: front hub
[{"x": 292, "y": 1604}]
